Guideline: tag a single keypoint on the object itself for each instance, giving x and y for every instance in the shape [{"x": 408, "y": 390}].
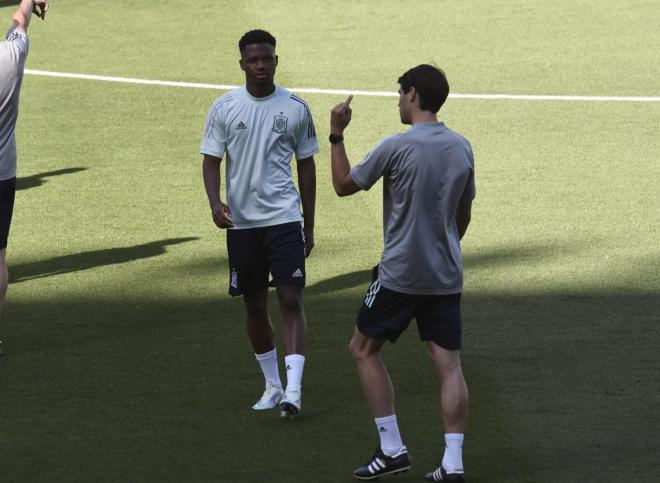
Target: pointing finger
[{"x": 348, "y": 100}]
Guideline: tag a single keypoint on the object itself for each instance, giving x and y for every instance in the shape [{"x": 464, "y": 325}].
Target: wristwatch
[{"x": 336, "y": 138}]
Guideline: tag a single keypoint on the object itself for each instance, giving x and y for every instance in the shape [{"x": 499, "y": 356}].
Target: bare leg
[
  {"x": 259, "y": 327},
  {"x": 453, "y": 392},
  {"x": 376, "y": 382},
  {"x": 293, "y": 317},
  {"x": 4, "y": 281},
  {"x": 260, "y": 332},
  {"x": 295, "y": 327},
  {"x": 4, "y": 277}
]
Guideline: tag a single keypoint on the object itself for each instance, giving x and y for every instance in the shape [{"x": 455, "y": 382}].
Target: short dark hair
[
  {"x": 430, "y": 83},
  {"x": 256, "y": 37}
]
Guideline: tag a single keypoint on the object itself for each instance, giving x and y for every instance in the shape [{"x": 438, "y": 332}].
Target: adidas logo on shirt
[
  {"x": 297, "y": 274},
  {"x": 241, "y": 125},
  {"x": 14, "y": 35}
]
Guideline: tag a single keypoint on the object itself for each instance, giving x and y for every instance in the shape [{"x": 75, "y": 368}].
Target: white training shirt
[
  {"x": 259, "y": 137},
  {"x": 13, "y": 52}
]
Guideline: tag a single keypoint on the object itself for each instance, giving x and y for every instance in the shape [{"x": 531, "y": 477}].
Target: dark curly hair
[{"x": 256, "y": 37}]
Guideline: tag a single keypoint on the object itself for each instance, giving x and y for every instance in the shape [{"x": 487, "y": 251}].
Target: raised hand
[
  {"x": 340, "y": 116},
  {"x": 39, "y": 8}
]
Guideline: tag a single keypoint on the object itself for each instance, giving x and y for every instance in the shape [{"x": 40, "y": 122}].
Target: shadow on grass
[
  {"x": 514, "y": 255},
  {"x": 561, "y": 385},
  {"x": 37, "y": 180},
  {"x": 86, "y": 260},
  {"x": 340, "y": 282},
  {"x": 483, "y": 260}
]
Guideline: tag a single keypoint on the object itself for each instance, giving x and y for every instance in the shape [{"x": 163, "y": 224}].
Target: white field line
[{"x": 345, "y": 92}]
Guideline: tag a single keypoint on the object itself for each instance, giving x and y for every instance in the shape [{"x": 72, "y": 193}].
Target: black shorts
[
  {"x": 255, "y": 252},
  {"x": 7, "y": 194},
  {"x": 385, "y": 314}
]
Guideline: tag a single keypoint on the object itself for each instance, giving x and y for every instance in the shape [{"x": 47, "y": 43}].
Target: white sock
[
  {"x": 268, "y": 363},
  {"x": 390, "y": 438},
  {"x": 294, "y": 370},
  {"x": 452, "y": 461}
]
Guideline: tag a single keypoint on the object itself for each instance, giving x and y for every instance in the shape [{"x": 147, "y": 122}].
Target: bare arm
[
  {"x": 307, "y": 185},
  {"x": 342, "y": 180},
  {"x": 463, "y": 216},
  {"x": 24, "y": 13},
  {"x": 211, "y": 173}
]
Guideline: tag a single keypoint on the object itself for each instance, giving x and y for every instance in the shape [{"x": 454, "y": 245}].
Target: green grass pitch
[{"x": 127, "y": 361}]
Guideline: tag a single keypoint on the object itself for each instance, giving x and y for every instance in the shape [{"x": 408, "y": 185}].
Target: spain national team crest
[{"x": 279, "y": 124}]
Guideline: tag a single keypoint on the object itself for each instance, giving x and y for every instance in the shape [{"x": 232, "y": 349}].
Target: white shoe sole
[{"x": 272, "y": 404}]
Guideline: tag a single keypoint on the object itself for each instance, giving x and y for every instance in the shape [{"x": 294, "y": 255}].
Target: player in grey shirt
[
  {"x": 428, "y": 188},
  {"x": 13, "y": 51}
]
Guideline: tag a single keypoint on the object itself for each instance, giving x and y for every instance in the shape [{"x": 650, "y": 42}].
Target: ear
[
  {"x": 412, "y": 94},
  {"x": 276, "y": 59},
  {"x": 240, "y": 62}
]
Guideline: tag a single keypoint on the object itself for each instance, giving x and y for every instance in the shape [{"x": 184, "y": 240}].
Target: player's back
[
  {"x": 433, "y": 166},
  {"x": 430, "y": 174}
]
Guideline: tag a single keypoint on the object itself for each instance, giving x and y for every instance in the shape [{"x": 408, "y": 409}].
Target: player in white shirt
[
  {"x": 257, "y": 129},
  {"x": 13, "y": 52}
]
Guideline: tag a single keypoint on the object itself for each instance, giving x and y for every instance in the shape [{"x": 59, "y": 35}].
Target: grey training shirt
[
  {"x": 427, "y": 171},
  {"x": 13, "y": 52}
]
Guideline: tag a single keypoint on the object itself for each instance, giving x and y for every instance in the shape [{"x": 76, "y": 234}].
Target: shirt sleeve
[
  {"x": 374, "y": 165},
  {"x": 17, "y": 41},
  {"x": 214, "y": 140},
  {"x": 470, "y": 191},
  {"x": 305, "y": 138}
]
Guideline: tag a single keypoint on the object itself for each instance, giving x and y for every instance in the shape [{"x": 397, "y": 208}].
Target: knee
[
  {"x": 256, "y": 310},
  {"x": 439, "y": 364},
  {"x": 291, "y": 303},
  {"x": 451, "y": 367},
  {"x": 447, "y": 363},
  {"x": 357, "y": 350}
]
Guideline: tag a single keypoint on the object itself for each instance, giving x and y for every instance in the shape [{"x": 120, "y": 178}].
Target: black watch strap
[{"x": 336, "y": 138}]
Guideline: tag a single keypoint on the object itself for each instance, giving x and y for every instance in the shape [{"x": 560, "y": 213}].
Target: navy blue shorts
[
  {"x": 254, "y": 253},
  {"x": 385, "y": 314},
  {"x": 7, "y": 194}
]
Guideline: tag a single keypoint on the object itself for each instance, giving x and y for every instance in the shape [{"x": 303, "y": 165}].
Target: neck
[
  {"x": 260, "y": 90},
  {"x": 423, "y": 117}
]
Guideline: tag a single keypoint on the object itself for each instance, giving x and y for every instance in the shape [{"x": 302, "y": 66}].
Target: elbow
[
  {"x": 19, "y": 21},
  {"x": 344, "y": 186},
  {"x": 341, "y": 190}
]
